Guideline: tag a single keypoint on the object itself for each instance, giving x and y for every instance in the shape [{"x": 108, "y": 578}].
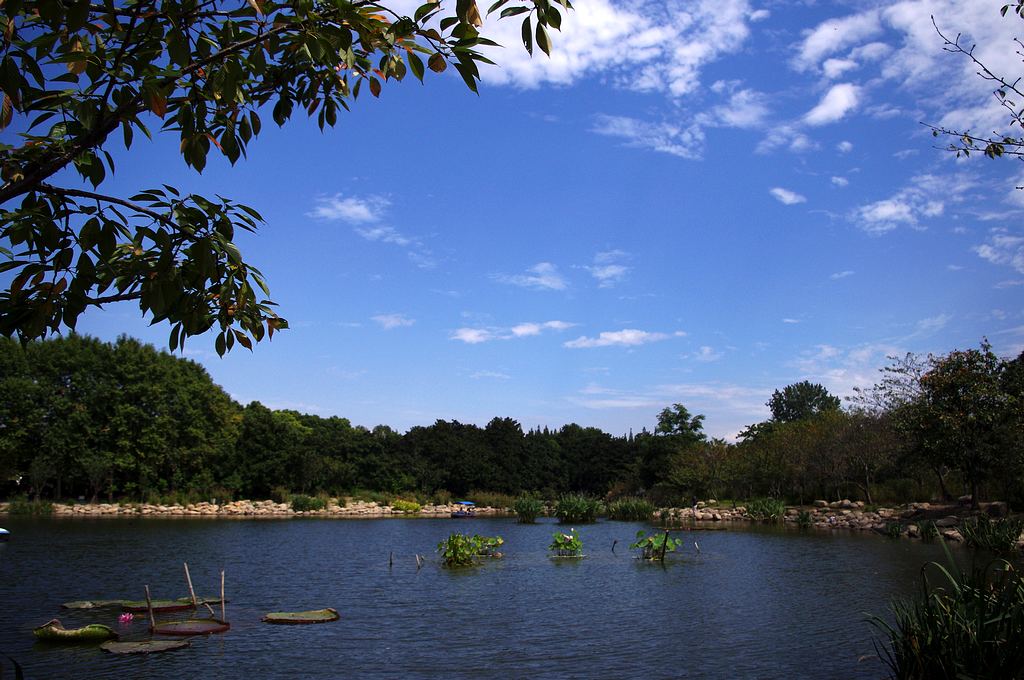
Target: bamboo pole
[
  {"x": 149, "y": 608},
  {"x": 191, "y": 590},
  {"x": 223, "y": 616},
  {"x": 664, "y": 546}
]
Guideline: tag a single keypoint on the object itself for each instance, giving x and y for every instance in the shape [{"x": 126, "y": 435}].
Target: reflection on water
[{"x": 762, "y": 603}]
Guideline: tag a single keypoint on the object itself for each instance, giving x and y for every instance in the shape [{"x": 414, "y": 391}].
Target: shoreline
[{"x": 838, "y": 515}]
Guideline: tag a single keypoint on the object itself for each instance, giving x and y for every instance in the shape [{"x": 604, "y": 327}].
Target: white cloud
[
  {"x": 384, "y": 235},
  {"x": 541, "y": 276},
  {"x": 1003, "y": 248},
  {"x": 472, "y": 336},
  {"x": 746, "y": 109},
  {"x": 840, "y": 181},
  {"x": 931, "y": 325},
  {"x": 707, "y": 354},
  {"x": 760, "y": 15},
  {"x": 350, "y": 209},
  {"x": 787, "y": 197},
  {"x": 837, "y": 102},
  {"x": 646, "y": 45},
  {"x": 841, "y": 275},
  {"x": 1012, "y": 283},
  {"x": 527, "y": 329},
  {"x": 836, "y": 35},
  {"x": 833, "y": 68},
  {"x": 608, "y": 268},
  {"x": 389, "y": 321},
  {"x": 844, "y": 147},
  {"x": 924, "y": 197},
  {"x": 670, "y": 138},
  {"x": 789, "y": 320},
  {"x": 496, "y": 375},
  {"x": 628, "y": 337}
]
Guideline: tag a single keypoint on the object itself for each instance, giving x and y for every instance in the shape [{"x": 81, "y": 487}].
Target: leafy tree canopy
[
  {"x": 801, "y": 400},
  {"x": 74, "y": 73},
  {"x": 677, "y": 421}
]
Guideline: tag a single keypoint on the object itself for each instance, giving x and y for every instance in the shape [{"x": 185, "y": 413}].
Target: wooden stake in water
[
  {"x": 223, "y": 616},
  {"x": 191, "y": 590},
  {"x": 664, "y": 546},
  {"x": 614, "y": 543},
  {"x": 149, "y": 608},
  {"x": 391, "y": 559}
]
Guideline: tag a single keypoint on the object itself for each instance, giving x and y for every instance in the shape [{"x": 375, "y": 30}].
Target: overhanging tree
[{"x": 75, "y": 72}]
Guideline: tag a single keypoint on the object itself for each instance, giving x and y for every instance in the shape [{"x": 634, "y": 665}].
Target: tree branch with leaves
[{"x": 73, "y": 72}]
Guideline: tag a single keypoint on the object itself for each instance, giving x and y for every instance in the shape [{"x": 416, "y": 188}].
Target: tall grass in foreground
[
  {"x": 961, "y": 625},
  {"x": 630, "y": 509},
  {"x": 528, "y": 508},
  {"x": 766, "y": 509},
  {"x": 577, "y": 508},
  {"x": 998, "y": 536}
]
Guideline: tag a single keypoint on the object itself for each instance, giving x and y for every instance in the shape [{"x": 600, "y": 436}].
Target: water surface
[{"x": 753, "y": 603}]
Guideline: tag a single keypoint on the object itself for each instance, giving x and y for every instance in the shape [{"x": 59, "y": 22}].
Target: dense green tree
[
  {"x": 801, "y": 400},
  {"x": 964, "y": 400},
  {"x": 75, "y": 72}
]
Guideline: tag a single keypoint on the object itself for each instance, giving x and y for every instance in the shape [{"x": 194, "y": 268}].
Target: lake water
[{"x": 753, "y": 603}]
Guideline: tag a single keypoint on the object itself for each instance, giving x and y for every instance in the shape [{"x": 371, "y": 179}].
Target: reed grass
[
  {"x": 528, "y": 508},
  {"x": 766, "y": 509},
  {"x": 577, "y": 508},
  {"x": 961, "y": 625},
  {"x": 999, "y": 536},
  {"x": 631, "y": 509}
]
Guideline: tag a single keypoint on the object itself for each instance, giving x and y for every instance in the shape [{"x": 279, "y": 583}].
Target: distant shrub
[
  {"x": 575, "y": 508},
  {"x": 304, "y": 503},
  {"x": 893, "y": 529},
  {"x": 441, "y": 497},
  {"x": 630, "y": 509},
  {"x": 410, "y": 507},
  {"x": 490, "y": 499},
  {"x": 281, "y": 494},
  {"x": 21, "y": 505},
  {"x": 527, "y": 509},
  {"x": 766, "y": 509}
]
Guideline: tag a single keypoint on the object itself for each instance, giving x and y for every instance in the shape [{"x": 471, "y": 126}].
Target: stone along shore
[{"x": 350, "y": 509}]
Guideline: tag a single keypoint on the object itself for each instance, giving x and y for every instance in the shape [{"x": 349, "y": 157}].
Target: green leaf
[{"x": 527, "y": 35}]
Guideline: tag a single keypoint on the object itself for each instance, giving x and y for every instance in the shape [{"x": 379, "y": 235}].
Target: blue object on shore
[
  {"x": 466, "y": 511},
  {"x": 4, "y": 534}
]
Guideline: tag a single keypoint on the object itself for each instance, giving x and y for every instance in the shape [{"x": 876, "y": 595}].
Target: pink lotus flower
[{"x": 126, "y": 617}]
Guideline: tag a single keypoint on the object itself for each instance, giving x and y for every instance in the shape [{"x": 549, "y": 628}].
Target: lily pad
[
  {"x": 92, "y": 604},
  {"x": 146, "y": 647},
  {"x": 201, "y": 600},
  {"x": 313, "y": 616},
  {"x": 140, "y": 607},
  {"x": 191, "y": 627},
  {"x": 54, "y": 631}
]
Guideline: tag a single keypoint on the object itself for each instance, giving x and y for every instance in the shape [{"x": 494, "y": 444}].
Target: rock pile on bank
[{"x": 245, "y": 508}]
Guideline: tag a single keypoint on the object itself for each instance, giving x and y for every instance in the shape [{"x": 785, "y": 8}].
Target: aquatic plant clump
[
  {"x": 999, "y": 536},
  {"x": 577, "y": 508},
  {"x": 961, "y": 625},
  {"x": 766, "y": 509},
  {"x": 527, "y": 509},
  {"x": 655, "y": 545},
  {"x": 461, "y": 550},
  {"x": 566, "y": 544},
  {"x": 630, "y": 509}
]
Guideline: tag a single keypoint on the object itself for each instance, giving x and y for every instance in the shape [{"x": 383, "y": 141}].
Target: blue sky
[{"x": 694, "y": 202}]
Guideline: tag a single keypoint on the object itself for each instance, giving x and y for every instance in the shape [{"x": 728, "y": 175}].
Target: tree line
[{"x": 82, "y": 417}]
